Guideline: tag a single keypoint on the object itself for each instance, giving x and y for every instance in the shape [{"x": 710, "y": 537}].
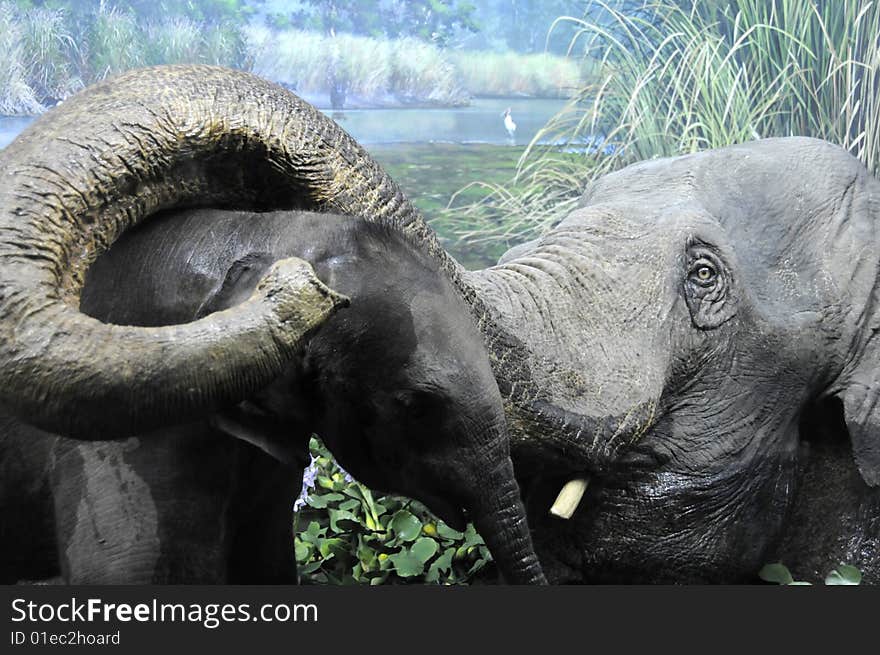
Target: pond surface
[{"x": 431, "y": 153}]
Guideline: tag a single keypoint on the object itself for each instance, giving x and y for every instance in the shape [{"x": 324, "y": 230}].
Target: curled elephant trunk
[
  {"x": 97, "y": 165},
  {"x": 500, "y": 517}
]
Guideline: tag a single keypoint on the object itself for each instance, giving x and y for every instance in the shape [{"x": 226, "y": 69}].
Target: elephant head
[
  {"x": 668, "y": 339},
  {"x": 407, "y": 397}
]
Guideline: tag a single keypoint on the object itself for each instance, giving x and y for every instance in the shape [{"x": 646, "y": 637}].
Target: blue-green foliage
[
  {"x": 345, "y": 535},
  {"x": 778, "y": 573}
]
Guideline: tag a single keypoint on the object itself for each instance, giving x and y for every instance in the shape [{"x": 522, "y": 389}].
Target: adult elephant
[
  {"x": 668, "y": 340},
  {"x": 701, "y": 341},
  {"x": 228, "y": 333}
]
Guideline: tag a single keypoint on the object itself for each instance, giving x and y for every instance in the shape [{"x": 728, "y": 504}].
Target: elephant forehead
[{"x": 594, "y": 308}]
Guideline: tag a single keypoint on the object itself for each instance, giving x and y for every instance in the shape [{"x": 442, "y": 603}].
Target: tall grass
[
  {"x": 43, "y": 62},
  {"x": 511, "y": 73},
  {"x": 114, "y": 42},
  {"x": 406, "y": 68},
  {"x": 16, "y": 95},
  {"x": 676, "y": 77},
  {"x": 48, "y": 50}
]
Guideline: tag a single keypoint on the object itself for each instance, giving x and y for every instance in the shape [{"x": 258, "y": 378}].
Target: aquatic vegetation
[
  {"x": 346, "y": 535},
  {"x": 676, "y": 77}
]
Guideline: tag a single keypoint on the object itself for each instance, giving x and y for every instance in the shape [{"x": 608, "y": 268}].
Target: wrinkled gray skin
[
  {"x": 701, "y": 338},
  {"x": 398, "y": 385}
]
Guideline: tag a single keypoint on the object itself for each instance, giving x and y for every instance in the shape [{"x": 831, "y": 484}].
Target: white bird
[{"x": 509, "y": 125}]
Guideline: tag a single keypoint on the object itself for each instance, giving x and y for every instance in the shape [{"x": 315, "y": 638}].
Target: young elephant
[{"x": 398, "y": 384}]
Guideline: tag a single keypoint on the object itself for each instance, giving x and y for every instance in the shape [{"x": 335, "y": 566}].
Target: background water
[
  {"x": 480, "y": 122},
  {"x": 431, "y": 153}
]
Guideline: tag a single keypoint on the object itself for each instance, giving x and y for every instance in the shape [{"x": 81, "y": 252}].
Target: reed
[
  {"x": 405, "y": 68},
  {"x": 676, "y": 77},
  {"x": 16, "y": 95}
]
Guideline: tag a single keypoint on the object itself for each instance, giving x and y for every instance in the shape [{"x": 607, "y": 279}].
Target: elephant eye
[
  {"x": 708, "y": 287},
  {"x": 704, "y": 274}
]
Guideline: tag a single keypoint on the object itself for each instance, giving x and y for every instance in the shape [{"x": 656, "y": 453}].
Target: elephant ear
[
  {"x": 861, "y": 407},
  {"x": 861, "y": 388}
]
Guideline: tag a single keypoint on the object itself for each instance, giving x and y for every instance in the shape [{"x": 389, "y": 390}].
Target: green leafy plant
[
  {"x": 346, "y": 535},
  {"x": 778, "y": 573}
]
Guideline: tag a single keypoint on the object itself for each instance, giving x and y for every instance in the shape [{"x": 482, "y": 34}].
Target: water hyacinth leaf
[
  {"x": 301, "y": 551},
  {"x": 424, "y": 549},
  {"x": 844, "y": 575},
  {"x": 406, "y": 564},
  {"x": 313, "y": 533},
  {"x": 371, "y": 524},
  {"x": 471, "y": 537},
  {"x": 850, "y": 573},
  {"x": 442, "y": 564},
  {"x": 479, "y": 564},
  {"x": 448, "y": 533},
  {"x": 350, "y": 504},
  {"x": 321, "y": 501},
  {"x": 309, "y": 568},
  {"x": 334, "y": 547},
  {"x": 366, "y": 555},
  {"x": 406, "y": 526},
  {"x": 337, "y": 515},
  {"x": 777, "y": 573}
]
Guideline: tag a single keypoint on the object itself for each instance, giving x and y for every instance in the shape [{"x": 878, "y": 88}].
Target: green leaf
[
  {"x": 366, "y": 556},
  {"x": 442, "y": 564},
  {"x": 406, "y": 526},
  {"x": 320, "y": 501},
  {"x": 406, "y": 564},
  {"x": 324, "y": 481},
  {"x": 309, "y": 568},
  {"x": 424, "y": 548},
  {"x": 479, "y": 564},
  {"x": 337, "y": 515},
  {"x": 777, "y": 573},
  {"x": 844, "y": 575},
  {"x": 448, "y": 533},
  {"x": 313, "y": 533},
  {"x": 335, "y": 547},
  {"x": 350, "y": 504},
  {"x": 301, "y": 551},
  {"x": 850, "y": 573},
  {"x": 471, "y": 538}
]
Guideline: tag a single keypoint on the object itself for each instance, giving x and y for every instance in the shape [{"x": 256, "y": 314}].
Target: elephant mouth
[{"x": 559, "y": 485}]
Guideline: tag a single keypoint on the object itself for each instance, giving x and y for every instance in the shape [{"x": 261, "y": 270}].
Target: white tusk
[{"x": 569, "y": 497}]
